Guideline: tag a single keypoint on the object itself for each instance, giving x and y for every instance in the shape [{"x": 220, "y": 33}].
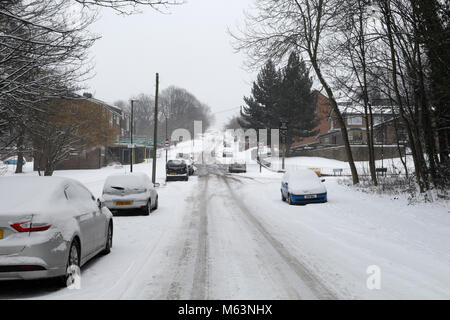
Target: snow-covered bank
[{"x": 355, "y": 230}]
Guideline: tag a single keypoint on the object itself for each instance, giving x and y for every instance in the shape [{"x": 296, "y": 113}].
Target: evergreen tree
[
  {"x": 260, "y": 111},
  {"x": 297, "y": 102}
]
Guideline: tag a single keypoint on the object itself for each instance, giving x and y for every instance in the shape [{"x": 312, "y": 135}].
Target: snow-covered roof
[
  {"x": 89, "y": 98},
  {"x": 359, "y": 109}
]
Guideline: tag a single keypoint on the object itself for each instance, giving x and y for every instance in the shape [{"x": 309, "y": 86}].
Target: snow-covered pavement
[{"x": 222, "y": 236}]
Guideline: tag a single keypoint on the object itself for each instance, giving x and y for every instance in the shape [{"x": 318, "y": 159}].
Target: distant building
[
  {"x": 388, "y": 129},
  {"x": 100, "y": 156}
]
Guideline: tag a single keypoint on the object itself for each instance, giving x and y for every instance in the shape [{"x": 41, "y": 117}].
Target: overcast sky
[{"x": 190, "y": 48}]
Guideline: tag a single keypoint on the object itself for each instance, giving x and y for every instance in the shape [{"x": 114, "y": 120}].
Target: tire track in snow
[
  {"x": 306, "y": 276},
  {"x": 193, "y": 264},
  {"x": 200, "y": 284}
]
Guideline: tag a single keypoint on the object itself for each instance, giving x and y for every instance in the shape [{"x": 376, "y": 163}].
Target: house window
[
  {"x": 355, "y": 120},
  {"x": 327, "y": 140},
  {"x": 356, "y": 136},
  {"x": 377, "y": 120}
]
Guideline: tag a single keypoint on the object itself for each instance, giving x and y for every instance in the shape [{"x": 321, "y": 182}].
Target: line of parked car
[
  {"x": 180, "y": 168},
  {"x": 60, "y": 224}
]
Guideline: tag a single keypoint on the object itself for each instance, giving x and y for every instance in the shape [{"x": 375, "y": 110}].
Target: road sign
[{"x": 132, "y": 146}]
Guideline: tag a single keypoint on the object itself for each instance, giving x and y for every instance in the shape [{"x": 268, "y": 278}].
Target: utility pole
[
  {"x": 131, "y": 137},
  {"x": 155, "y": 133},
  {"x": 165, "y": 146}
]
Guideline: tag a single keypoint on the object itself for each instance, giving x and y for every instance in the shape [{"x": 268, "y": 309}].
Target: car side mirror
[
  {"x": 157, "y": 185},
  {"x": 323, "y": 180}
]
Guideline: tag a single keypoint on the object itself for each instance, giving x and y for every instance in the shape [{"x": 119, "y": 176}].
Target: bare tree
[
  {"x": 129, "y": 6},
  {"x": 182, "y": 109},
  {"x": 69, "y": 126},
  {"x": 43, "y": 54},
  {"x": 305, "y": 26},
  {"x": 354, "y": 60}
]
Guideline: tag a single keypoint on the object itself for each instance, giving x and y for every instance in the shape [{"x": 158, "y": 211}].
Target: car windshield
[
  {"x": 125, "y": 183},
  {"x": 175, "y": 163},
  {"x": 302, "y": 178}
]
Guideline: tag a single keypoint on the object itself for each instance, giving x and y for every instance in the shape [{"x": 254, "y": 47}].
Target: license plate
[
  {"x": 172, "y": 174},
  {"x": 311, "y": 196},
  {"x": 124, "y": 203},
  {"x": 1, "y": 233}
]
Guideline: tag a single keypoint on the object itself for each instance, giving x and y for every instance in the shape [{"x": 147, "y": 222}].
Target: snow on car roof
[
  {"x": 30, "y": 193},
  {"x": 301, "y": 173},
  {"x": 126, "y": 180}
]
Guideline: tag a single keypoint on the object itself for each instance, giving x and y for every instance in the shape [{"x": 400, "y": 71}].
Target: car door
[
  {"x": 98, "y": 221},
  {"x": 84, "y": 216}
]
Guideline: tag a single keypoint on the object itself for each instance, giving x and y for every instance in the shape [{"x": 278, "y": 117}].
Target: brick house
[
  {"x": 100, "y": 156},
  {"x": 387, "y": 128},
  {"x": 323, "y": 112}
]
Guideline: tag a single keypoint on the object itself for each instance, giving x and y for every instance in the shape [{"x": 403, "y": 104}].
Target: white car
[
  {"x": 303, "y": 186},
  {"x": 130, "y": 191},
  {"x": 49, "y": 225}
]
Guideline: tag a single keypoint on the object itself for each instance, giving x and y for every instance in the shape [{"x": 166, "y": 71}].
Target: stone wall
[{"x": 360, "y": 153}]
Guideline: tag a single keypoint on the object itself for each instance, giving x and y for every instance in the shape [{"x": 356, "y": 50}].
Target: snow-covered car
[
  {"x": 303, "y": 186},
  {"x": 130, "y": 191},
  {"x": 48, "y": 224},
  {"x": 13, "y": 160},
  {"x": 177, "y": 170},
  {"x": 115, "y": 165},
  {"x": 237, "y": 167}
]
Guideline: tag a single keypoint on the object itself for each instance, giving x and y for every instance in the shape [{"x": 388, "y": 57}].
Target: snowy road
[
  {"x": 227, "y": 253},
  {"x": 222, "y": 236},
  {"x": 210, "y": 247}
]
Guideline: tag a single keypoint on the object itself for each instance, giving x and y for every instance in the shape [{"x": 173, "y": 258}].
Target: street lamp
[{"x": 131, "y": 134}]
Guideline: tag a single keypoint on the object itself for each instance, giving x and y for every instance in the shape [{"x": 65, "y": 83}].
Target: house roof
[
  {"x": 358, "y": 109},
  {"x": 113, "y": 109}
]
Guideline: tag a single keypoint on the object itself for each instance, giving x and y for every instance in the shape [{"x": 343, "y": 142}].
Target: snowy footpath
[{"x": 222, "y": 236}]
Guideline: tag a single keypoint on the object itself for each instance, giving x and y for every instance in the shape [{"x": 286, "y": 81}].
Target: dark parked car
[{"x": 177, "y": 170}]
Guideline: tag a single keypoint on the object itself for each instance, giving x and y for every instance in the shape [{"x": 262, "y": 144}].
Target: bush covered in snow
[{"x": 398, "y": 185}]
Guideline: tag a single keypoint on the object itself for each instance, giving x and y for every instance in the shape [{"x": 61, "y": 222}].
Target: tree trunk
[
  {"x": 443, "y": 146},
  {"x": 386, "y": 11},
  {"x": 19, "y": 166},
  {"x": 341, "y": 122}
]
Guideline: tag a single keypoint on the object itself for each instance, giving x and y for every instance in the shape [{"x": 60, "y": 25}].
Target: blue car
[
  {"x": 13, "y": 160},
  {"x": 303, "y": 186}
]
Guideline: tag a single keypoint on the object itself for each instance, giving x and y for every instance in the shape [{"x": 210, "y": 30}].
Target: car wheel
[
  {"x": 73, "y": 260},
  {"x": 156, "y": 204},
  {"x": 283, "y": 198},
  {"x": 148, "y": 208},
  {"x": 109, "y": 239}
]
